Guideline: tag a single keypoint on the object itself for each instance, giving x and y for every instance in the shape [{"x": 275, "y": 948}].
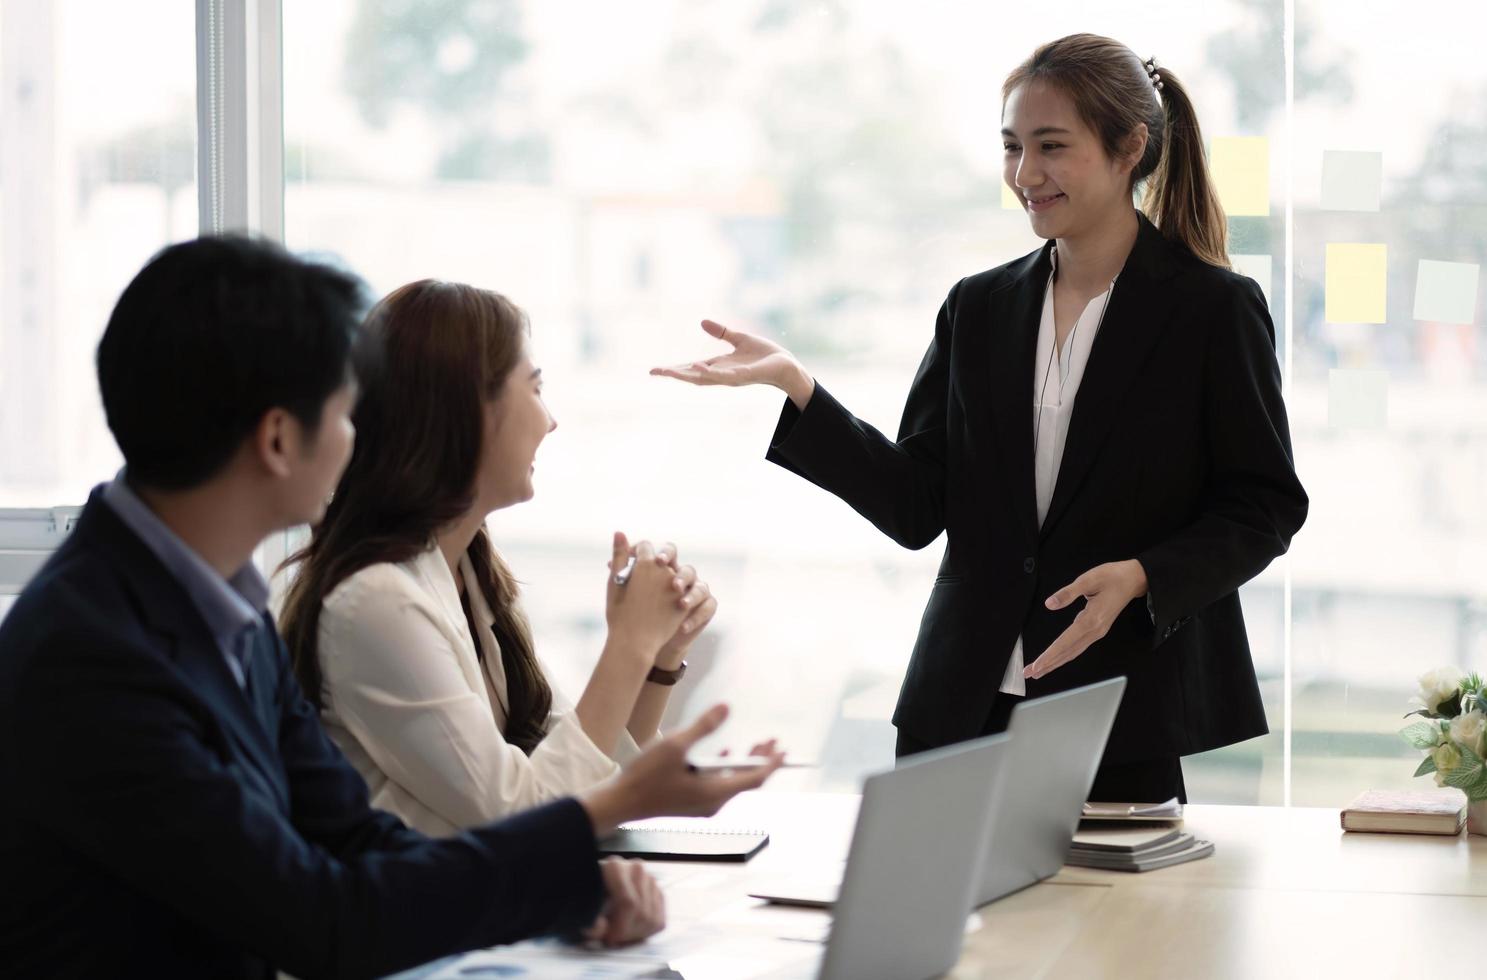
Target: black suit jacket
[
  {"x": 1178, "y": 455},
  {"x": 159, "y": 821}
]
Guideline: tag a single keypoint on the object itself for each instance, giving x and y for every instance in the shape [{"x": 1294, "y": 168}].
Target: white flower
[
  {"x": 1467, "y": 729},
  {"x": 1438, "y": 685}
]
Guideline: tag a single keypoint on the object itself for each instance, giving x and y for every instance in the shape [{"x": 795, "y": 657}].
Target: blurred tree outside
[{"x": 447, "y": 59}]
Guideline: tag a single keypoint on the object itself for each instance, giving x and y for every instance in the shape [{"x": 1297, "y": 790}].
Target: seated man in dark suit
[{"x": 172, "y": 807}]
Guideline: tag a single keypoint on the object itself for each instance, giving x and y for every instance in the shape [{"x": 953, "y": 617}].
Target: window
[
  {"x": 822, "y": 172},
  {"x": 97, "y": 171}
]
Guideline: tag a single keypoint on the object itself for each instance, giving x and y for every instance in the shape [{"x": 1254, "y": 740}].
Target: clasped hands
[
  {"x": 691, "y": 604},
  {"x": 1106, "y": 589}
]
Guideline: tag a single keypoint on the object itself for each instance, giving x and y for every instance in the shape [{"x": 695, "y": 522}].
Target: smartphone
[{"x": 738, "y": 763}]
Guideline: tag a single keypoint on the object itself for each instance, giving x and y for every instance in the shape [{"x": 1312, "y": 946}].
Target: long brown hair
[
  {"x": 1113, "y": 93},
  {"x": 445, "y": 349}
]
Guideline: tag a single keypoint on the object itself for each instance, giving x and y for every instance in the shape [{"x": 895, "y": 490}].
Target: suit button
[{"x": 1028, "y": 565}]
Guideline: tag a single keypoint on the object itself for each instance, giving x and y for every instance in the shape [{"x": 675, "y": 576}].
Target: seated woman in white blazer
[{"x": 403, "y": 620}]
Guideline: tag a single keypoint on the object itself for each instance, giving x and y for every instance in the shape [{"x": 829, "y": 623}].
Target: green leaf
[
  {"x": 1476, "y": 790},
  {"x": 1427, "y": 766},
  {"x": 1422, "y": 734},
  {"x": 1423, "y": 713},
  {"x": 1464, "y": 777},
  {"x": 1469, "y": 774}
]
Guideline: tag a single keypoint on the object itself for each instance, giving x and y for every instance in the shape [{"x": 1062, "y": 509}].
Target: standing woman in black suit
[{"x": 1097, "y": 427}]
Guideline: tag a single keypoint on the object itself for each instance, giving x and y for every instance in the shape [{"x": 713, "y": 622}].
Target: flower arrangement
[{"x": 1452, "y": 730}]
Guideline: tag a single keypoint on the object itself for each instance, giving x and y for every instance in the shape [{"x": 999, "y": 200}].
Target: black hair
[{"x": 211, "y": 335}]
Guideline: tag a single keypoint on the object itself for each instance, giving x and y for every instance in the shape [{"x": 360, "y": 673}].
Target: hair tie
[{"x": 1152, "y": 72}]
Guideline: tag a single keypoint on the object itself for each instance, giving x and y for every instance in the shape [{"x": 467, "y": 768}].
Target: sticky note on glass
[
  {"x": 1240, "y": 166},
  {"x": 1446, "y": 292},
  {"x": 1357, "y": 283},
  {"x": 1351, "y": 181},
  {"x": 1009, "y": 199},
  {"x": 1257, "y": 267},
  {"x": 1357, "y": 399}
]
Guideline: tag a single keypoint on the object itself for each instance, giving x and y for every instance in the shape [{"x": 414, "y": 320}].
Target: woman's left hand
[
  {"x": 1107, "y": 589},
  {"x": 701, "y": 605},
  {"x": 692, "y": 594}
]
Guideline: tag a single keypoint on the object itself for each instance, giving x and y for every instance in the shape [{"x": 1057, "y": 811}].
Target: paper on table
[
  {"x": 1351, "y": 180},
  {"x": 1257, "y": 267},
  {"x": 1171, "y": 808},
  {"x": 1446, "y": 292},
  {"x": 1357, "y": 282},
  {"x": 1240, "y": 166},
  {"x": 1357, "y": 399}
]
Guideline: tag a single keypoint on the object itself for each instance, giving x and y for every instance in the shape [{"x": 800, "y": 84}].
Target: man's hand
[
  {"x": 635, "y": 909},
  {"x": 660, "y": 783}
]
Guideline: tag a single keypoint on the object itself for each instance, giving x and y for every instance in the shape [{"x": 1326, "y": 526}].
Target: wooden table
[{"x": 1286, "y": 894}]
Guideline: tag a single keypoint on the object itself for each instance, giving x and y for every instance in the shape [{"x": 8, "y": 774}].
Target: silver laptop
[
  {"x": 900, "y": 910},
  {"x": 1057, "y": 743}
]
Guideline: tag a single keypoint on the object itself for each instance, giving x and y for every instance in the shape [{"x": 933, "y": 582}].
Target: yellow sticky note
[
  {"x": 1357, "y": 283},
  {"x": 1009, "y": 199},
  {"x": 1240, "y": 166}
]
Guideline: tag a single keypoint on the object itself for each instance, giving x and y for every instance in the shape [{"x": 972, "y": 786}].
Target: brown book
[{"x": 1439, "y": 811}]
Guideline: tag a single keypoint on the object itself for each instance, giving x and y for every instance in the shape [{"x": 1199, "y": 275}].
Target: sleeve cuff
[
  {"x": 627, "y": 750},
  {"x": 555, "y": 863},
  {"x": 1162, "y": 627},
  {"x": 567, "y": 760},
  {"x": 798, "y": 430}
]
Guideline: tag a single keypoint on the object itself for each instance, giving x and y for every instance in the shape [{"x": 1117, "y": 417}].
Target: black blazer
[
  {"x": 158, "y": 821},
  {"x": 1178, "y": 455}
]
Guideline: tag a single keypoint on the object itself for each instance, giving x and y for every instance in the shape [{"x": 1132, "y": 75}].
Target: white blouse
[
  {"x": 421, "y": 717},
  {"x": 1056, "y": 380}
]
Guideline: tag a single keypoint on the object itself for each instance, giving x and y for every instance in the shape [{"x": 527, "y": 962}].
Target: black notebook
[{"x": 683, "y": 844}]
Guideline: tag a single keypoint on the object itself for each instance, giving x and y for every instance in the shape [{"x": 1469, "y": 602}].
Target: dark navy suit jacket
[{"x": 159, "y": 820}]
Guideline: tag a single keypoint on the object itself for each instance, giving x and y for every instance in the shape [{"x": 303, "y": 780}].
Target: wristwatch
[{"x": 666, "y": 678}]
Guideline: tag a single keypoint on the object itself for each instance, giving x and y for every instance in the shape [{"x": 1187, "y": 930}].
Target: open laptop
[
  {"x": 900, "y": 909},
  {"x": 1057, "y": 742}
]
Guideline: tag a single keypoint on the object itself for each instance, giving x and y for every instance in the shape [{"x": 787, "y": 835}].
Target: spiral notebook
[{"x": 681, "y": 841}]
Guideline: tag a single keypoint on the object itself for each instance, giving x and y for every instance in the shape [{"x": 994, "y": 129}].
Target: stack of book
[{"x": 1135, "y": 848}]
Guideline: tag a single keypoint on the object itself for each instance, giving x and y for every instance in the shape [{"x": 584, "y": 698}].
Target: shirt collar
[{"x": 227, "y": 605}]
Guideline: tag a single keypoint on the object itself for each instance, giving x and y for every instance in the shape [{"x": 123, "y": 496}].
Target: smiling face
[
  {"x": 1058, "y": 167},
  {"x": 516, "y": 422}
]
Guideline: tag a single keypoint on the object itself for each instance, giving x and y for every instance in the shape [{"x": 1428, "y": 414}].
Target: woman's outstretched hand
[{"x": 753, "y": 361}]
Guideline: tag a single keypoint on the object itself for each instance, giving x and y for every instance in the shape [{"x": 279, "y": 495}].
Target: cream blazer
[{"x": 421, "y": 718}]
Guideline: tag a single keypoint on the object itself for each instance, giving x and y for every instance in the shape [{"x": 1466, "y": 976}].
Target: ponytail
[
  {"x": 1180, "y": 198},
  {"x": 1114, "y": 92}
]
